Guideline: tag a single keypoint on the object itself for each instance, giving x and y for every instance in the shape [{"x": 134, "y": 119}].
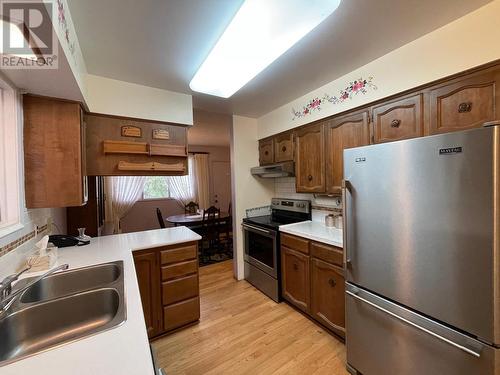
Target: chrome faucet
[{"x": 7, "y": 297}]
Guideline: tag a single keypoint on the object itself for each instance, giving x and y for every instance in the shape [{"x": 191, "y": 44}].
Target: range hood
[{"x": 286, "y": 169}]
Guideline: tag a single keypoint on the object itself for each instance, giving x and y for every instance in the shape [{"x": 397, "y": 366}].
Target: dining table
[{"x": 193, "y": 220}]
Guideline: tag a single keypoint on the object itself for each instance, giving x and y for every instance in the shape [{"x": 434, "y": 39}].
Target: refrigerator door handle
[
  {"x": 444, "y": 339},
  {"x": 347, "y": 257}
]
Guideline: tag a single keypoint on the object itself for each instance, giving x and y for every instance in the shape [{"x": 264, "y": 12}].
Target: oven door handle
[{"x": 257, "y": 229}]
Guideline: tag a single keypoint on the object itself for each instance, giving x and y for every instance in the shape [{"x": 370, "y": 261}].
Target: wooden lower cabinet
[
  {"x": 148, "y": 278},
  {"x": 181, "y": 313},
  {"x": 295, "y": 276},
  {"x": 328, "y": 295},
  {"x": 314, "y": 281},
  {"x": 169, "y": 286}
]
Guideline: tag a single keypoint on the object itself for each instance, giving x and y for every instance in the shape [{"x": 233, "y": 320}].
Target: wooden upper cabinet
[
  {"x": 464, "y": 104},
  {"x": 54, "y": 153},
  {"x": 283, "y": 147},
  {"x": 344, "y": 132},
  {"x": 266, "y": 151},
  {"x": 148, "y": 278},
  {"x": 295, "y": 278},
  {"x": 121, "y": 146},
  {"x": 327, "y": 295},
  {"x": 310, "y": 159},
  {"x": 401, "y": 119}
]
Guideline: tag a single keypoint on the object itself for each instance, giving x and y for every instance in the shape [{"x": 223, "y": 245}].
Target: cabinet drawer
[
  {"x": 179, "y": 254},
  {"x": 182, "y": 313},
  {"x": 266, "y": 151},
  {"x": 179, "y": 269},
  {"x": 398, "y": 120},
  {"x": 179, "y": 289},
  {"x": 327, "y": 253},
  {"x": 295, "y": 243},
  {"x": 463, "y": 105},
  {"x": 283, "y": 147}
]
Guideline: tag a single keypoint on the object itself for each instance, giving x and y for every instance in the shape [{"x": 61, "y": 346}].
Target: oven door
[{"x": 261, "y": 248}]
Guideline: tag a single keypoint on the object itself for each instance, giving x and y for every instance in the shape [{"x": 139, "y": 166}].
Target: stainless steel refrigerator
[{"x": 422, "y": 238}]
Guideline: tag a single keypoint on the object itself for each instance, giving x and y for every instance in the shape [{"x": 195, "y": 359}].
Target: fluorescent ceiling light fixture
[
  {"x": 260, "y": 32},
  {"x": 17, "y": 39}
]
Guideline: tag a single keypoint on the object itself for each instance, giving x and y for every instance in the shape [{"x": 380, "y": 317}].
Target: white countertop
[
  {"x": 123, "y": 350},
  {"x": 314, "y": 230}
]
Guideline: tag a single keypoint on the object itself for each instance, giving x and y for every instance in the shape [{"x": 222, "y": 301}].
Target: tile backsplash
[{"x": 322, "y": 205}]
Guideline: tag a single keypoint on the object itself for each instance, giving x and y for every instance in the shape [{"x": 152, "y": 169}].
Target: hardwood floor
[{"x": 241, "y": 331}]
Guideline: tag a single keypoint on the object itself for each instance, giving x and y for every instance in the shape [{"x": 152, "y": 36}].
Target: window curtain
[
  {"x": 124, "y": 191},
  {"x": 202, "y": 180},
  {"x": 182, "y": 188}
]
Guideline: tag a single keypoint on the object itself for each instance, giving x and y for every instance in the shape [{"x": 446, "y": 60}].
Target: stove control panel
[{"x": 296, "y": 205}]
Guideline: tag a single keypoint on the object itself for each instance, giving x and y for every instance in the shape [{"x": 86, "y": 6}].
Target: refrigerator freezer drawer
[{"x": 385, "y": 338}]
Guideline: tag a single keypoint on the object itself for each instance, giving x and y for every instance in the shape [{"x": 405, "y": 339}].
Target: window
[
  {"x": 156, "y": 187},
  {"x": 9, "y": 160},
  {"x": 181, "y": 188}
]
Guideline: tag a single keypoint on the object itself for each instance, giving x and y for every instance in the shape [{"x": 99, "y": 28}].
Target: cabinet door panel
[
  {"x": 148, "y": 278},
  {"x": 465, "y": 104},
  {"x": 398, "y": 120},
  {"x": 344, "y": 132},
  {"x": 327, "y": 295},
  {"x": 54, "y": 164},
  {"x": 310, "y": 159},
  {"x": 266, "y": 151},
  {"x": 283, "y": 147},
  {"x": 295, "y": 275}
]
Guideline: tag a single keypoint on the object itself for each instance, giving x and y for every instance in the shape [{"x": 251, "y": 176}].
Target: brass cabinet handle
[
  {"x": 332, "y": 282},
  {"x": 295, "y": 266},
  {"x": 395, "y": 123},
  {"x": 464, "y": 107},
  {"x": 310, "y": 178},
  {"x": 283, "y": 148},
  {"x": 266, "y": 153}
]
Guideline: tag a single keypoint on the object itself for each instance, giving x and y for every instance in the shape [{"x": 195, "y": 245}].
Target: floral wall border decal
[
  {"x": 356, "y": 87},
  {"x": 63, "y": 23}
]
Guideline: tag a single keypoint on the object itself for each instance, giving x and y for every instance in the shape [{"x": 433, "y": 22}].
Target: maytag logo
[{"x": 450, "y": 150}]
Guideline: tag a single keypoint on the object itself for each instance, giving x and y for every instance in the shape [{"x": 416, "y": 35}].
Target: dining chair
[
  {"x": 226, "y": 233},
  {"x": 160, "y": 218},
  {"x": 191, "y": 208},
  {"x": 210, "y": 233}
]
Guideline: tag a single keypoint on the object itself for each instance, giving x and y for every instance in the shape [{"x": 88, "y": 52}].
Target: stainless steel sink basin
[
  {"x": 72, "y": 281},
  {"x": 64, "y": 307}
]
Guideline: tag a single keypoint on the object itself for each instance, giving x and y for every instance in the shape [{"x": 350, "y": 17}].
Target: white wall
[
  {"x": 109, "y": 96},
  {"x": 465, "y": 43},
  {"x": 28, "y": 219},
  {"x": 247, "y": 191}
]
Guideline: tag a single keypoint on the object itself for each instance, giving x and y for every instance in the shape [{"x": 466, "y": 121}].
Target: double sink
[{"x": 61, "y": 308}]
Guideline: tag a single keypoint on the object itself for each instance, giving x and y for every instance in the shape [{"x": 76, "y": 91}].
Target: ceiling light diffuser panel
[{"x": 260, "y": 32}]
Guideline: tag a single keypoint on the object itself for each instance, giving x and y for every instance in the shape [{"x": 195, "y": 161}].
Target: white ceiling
[{"x": 161, "y": 43}]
